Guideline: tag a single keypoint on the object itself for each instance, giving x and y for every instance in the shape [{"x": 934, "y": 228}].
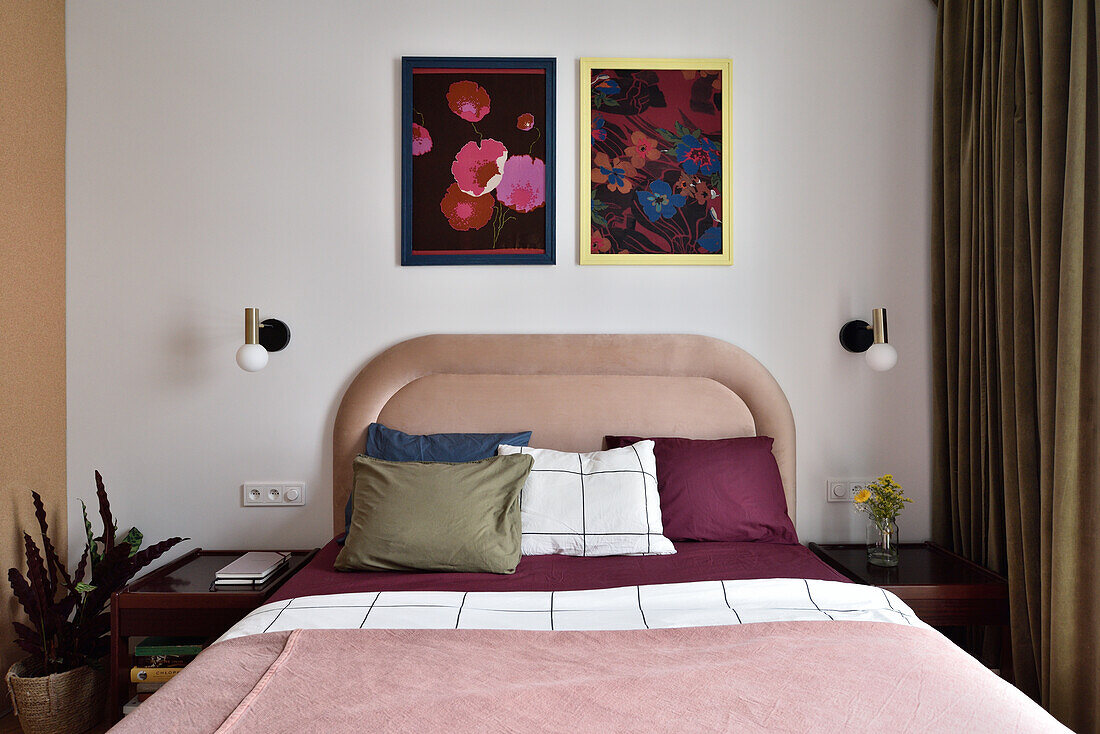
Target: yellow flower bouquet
[{"x": 882, "y": 501}]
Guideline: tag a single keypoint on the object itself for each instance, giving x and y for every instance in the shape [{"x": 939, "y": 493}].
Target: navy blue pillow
[{"x": 393, "y": 445}]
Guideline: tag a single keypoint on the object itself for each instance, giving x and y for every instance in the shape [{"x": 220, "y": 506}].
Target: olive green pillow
[{"x": 435, "y": 516}]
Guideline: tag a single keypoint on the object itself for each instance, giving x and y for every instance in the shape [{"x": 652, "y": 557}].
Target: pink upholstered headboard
[{"x": 569, "y": 389}]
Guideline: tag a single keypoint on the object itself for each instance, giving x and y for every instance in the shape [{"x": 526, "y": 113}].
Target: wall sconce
[
  {"x": 859, "y": 336},
  {"x": 260, "y": 337}
]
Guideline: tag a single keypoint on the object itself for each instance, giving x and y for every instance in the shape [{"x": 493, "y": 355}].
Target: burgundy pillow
[{"x": 724, "y": 489}]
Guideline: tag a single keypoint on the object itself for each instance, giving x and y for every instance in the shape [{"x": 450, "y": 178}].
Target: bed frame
[{"x": 569, "y": 389}]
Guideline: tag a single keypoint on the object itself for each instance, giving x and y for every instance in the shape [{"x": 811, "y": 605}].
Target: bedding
[
  {"x": 599, "y": 503},
  {"x": 723, "y": 489},
  {"x": 875, "y": 666},
  {"x": 391, "y": 444},
  {"x": 649, "y": 606},
  {"x": 435, "y": 516},
  {"x": 691, "y": 562}
]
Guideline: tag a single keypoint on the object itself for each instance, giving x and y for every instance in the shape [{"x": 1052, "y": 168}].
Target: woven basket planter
[{"x": 62, "y": 703}]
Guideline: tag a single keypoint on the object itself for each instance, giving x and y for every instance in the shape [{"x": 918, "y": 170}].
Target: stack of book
[
  {"x": 156, "y": 661},
  {"x": 252, "y": 569}
]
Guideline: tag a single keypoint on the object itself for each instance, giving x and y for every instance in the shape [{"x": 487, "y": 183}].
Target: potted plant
[
  {"x": 59, "y": 688},
  {"x": 882, "y": 501}
]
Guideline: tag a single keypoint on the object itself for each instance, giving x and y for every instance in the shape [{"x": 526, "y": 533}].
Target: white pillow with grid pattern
[{"x": 602, "y": 503}]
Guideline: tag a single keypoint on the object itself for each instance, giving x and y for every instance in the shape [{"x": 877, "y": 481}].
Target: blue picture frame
[{"x": 478, "y": 133}]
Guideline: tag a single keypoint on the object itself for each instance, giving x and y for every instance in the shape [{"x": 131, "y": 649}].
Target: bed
[{"x": 720, "y": 635}]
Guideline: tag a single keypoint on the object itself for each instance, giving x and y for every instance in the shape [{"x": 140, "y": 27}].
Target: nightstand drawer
[
  {"x": 940, "y": 611},
  {"x": 180, "y": 622}
]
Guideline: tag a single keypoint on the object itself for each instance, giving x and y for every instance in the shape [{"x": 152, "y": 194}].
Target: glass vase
[{"x": 882, "y": 543}]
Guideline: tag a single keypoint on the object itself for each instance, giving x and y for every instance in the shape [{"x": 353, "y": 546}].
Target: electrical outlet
[
  {"x": 254, "y": 494},
  {"x": 273, "y": 494},
  {"x": 251, "y": 494},
  {"x": 844, "y": 490}
]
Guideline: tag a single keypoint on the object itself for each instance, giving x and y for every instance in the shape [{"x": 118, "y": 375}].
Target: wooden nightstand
[
  {"x": 179, "y": 599},
  {"x": 943, "y": 588}
]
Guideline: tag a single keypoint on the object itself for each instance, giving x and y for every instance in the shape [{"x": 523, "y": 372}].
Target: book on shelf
[
  {"x": 183, "y": 646},
  {"x": 253, "y": 566},
  {"x": 162, "y": 661},
  {"x": 148, "y": 689},
  {"x": 154, "y": 675}
]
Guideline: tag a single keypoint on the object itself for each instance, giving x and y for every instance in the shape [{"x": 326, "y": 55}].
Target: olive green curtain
[{"x": 1016, "y": 326}]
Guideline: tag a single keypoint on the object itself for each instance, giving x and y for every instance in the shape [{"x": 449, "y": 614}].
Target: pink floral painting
[{"x": 477, "y": 184}]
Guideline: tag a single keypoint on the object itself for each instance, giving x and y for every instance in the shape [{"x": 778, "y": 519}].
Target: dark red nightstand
[{"x": 179, "y": 599}]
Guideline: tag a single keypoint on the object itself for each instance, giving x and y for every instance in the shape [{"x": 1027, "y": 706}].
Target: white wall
[{"x": 230, "y": 154}]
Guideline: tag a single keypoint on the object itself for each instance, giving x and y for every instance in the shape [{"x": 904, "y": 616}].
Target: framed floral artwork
[
  {"x": 655, "y": 165},
  {"x": 477, "y": 159}
]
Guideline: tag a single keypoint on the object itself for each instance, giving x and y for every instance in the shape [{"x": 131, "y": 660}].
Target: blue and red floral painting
[
  {"x": 656, "y": 162},
  {"x": 478, "y": 161}
]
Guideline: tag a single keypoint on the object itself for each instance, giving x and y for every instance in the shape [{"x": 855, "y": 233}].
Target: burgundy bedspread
[
  {"x": 775, "y": 677},
  {"x": 709, "y": 561}
]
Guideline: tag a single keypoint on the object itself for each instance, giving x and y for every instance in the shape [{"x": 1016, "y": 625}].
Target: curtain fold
[{"x": 1016, "y": 325}]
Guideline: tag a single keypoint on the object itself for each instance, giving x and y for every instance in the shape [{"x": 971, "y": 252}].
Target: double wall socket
[
  {"x": 273, "y": 494},
  {"x": 844, "y": 490}
]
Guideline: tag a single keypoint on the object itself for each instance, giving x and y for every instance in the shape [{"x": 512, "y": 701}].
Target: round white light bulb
[
  {"x": 252, "y": 357},
  {"x": 881, "y": 357}
]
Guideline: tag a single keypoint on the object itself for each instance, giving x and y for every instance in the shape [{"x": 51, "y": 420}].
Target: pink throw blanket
[{"x": 775, "y": 677}]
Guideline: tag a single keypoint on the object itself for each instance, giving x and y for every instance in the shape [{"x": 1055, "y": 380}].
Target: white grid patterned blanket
[{"x": 688, "y": 604}]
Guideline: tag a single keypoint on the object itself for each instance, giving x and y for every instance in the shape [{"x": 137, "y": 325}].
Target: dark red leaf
[
  {"x": 105, "y": 512},
  {"x": 66, "y": 604},
  {"x": 40, "y": 515},
  {"x": 80, "y": 567},
  {"x": 143, "y": 558},
  {"x": 36, "y": 574},
  {"x": 23, "y": 593},
  {"x": 110, "y": 566},
  {"x": 56, "y": 567}
]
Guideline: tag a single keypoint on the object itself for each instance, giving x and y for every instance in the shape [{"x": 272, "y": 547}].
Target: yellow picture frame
[{"x": 586, "y": 218}]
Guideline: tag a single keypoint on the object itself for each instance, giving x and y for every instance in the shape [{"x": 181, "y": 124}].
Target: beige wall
[{"x": 32, "y": 281}]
